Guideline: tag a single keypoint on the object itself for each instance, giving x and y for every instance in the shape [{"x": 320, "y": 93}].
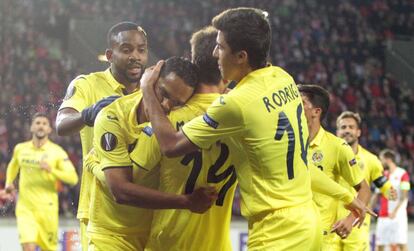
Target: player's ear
[
  {"x": 242, "y": 57},
  {"x": 318, "y": 111},
  {"x": 108, "y": 54}
]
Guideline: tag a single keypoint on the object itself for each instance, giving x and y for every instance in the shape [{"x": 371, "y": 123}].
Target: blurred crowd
[{"x": 338, "y": 45}]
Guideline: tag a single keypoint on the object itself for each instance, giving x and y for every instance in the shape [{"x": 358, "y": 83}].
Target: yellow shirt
[
  {"x": 84, "y": 91},
  {"x": 116, "y": 133},
  {"x": 37, "y": 187},
  {"x": 181, "y": 229},
  {"x": 336, "y": 159},
  {"x": 264, "y": 113},
  {"x": 371, "y": 168}
]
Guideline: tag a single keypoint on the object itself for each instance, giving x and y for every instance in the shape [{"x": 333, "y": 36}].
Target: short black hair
[
  {"x": 120, "y": 27},
  {"x": 318, "y": 96},
  {"x": 389, "y": 154},
  {"x": 246, "y": 29},
  {"x": 184, "y": 69},
  {"x": 203, "y": 43},
  {"x": 40, "y": 115}
]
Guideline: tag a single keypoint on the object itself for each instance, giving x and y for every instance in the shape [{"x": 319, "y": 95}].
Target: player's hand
[
  {"x": 45, "y": 166},
  {"x": 4, "y": 195},
  {"x": 150, "y": 76},
  {"x": 359, "y": 210},
  {"x": 201, "y": 199},
  {"x": 392, "y": 194},
  {"x": 89, "y": 114},
  {"x": 343, "y": 227}
]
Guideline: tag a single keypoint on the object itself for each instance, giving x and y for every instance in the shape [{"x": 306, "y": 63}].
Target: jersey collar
[
  {"x": 112, "y": 81},
  {"x": 256, "y": 74},
  {"x": 318, "y": 138}
]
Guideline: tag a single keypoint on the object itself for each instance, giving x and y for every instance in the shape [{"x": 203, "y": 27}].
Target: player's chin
[{"x": 134, "y": 77}]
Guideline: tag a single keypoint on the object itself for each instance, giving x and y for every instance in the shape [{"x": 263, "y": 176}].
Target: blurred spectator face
[
  {"x": 172, "y": 91},
  {"x": 128, "y": 56},
  {"x": 40, "y": 127},
  {"x": 227, "y": 61},
  {"x": 348, "y": 130}
]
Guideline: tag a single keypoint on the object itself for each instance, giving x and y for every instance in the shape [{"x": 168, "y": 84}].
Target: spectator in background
[{"x": 392, "y": 226}]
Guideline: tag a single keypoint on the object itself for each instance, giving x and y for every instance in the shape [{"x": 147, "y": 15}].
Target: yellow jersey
[
  {"x": 84, "y": 91},
  {"x": 372, "y": 169},
  {"x": 116, "y": 134},
  {"x": 264, "y": 113},
  {"x": 336, "y": 159},
  {"x": 37, "y": 187},
  {"x": 181, "y": 229}
]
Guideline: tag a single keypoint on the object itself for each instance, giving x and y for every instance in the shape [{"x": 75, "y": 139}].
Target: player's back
[
  {"x": 274, "y": 137},
  {"x": 181, "y": 229}
]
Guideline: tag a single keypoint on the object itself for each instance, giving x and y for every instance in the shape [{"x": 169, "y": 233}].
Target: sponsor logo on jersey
[{"x": 352, "y": 162}]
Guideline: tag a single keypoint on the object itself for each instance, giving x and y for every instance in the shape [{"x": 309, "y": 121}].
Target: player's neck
[
  {"x": 39, "y": 142},
  {"x": 393, "y": 167},
  {"x": 204, "y": 88},
  {"x": 355, "y": 147},
  {"x": 314, "y": 127}
]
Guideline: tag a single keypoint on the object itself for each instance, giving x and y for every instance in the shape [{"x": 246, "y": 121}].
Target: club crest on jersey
[
  {"x": 317, "y": 156},
  {"x": 352, "y": 162},
  {"x": 108, "y": 141}
]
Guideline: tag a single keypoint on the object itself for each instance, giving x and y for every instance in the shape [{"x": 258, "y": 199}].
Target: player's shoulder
[
  {"x": 334, "y": 140},
  {"x": 55, "y": 147},
  {"x": 367, "y": 155},
  {"x": 22, "y": 145}
]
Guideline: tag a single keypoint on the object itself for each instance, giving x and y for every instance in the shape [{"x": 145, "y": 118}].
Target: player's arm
[
  {"x": 380, "y": 181},
  {"x": 172, "y": 143},
  {"x": 321, "y": 183},
  {"x": 92, "y": 164},
  {"x": 76, "y": 110},
  {"x": 405, "y": 188},
  {"x": 12, "y": 170},
  {"x": 65, "y": 171},
  {"x": 124, "y": 191},
  {"x": 222, "y": 119},
  {"x": 350, "y": 171}
]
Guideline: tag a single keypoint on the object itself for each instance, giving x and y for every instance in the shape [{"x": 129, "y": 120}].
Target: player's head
[
  {"x": 348, "y": 127},
  {"x": 388, "y": 158},
  {"x": 315, "y": 101},
  {"x": 202, "y": 46},
  {"x": 127, "y": 51},
  {"x": 243, "y": 41},
  {"x": 40, "y": 127},
  {"x": 177, "y": 81}
]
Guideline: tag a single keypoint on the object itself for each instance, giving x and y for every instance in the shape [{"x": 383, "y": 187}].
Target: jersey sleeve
[
  {"x": 109, "y": 141},
  {"x": 223, "y": 119},
  {"x": 64, "y": 170},
  {"x": 321, "y": 183},
  {"x": 13, "y": 166},
  {"x": 348, "y": 167},
  {"x": 376, "y": 170},
  {"x": 147, "y": 153},
  {"x": 405, "y": 182},
  {"x": 76, "y": 96},
  {"x": 92, "y": 165}
]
